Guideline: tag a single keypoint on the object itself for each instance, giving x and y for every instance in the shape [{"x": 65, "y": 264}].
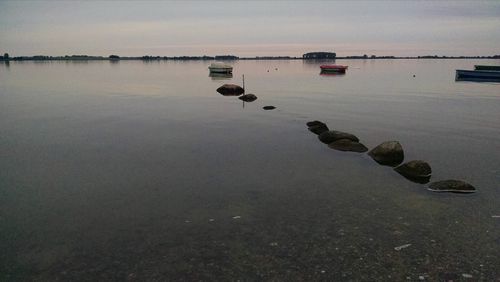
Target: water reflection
[
  {"x": 318, "y": 62},
  {"x": 220, "y": 76},
  {"x": 472, "y": 79},
  {"x": 332, "y": 74},
  {"x": 77, "y": 62}
]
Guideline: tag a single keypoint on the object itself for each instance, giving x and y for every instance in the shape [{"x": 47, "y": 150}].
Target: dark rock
[
  {"x": 416, "y": 171},
  {"x": 388, "y": 153},
  {"x": 454, "y": 186},
  {"x": 315, "y": 123},
  {"x": 419, "y": 180},
  {"x": 248, "y": 97},
  {"x": 318, "y": 129},
  {"x": 348, "y": 145},
  {"x": 269, "y": 108},
  {"x": 331, "y": 136},
  {"x": 230, "y": 90},
  {"x": 415, "y": 168}
]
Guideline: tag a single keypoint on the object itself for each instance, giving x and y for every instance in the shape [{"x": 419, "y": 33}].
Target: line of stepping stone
[
  {"x": 388, "y": 153},
  {"x": 236, "y": 90}
]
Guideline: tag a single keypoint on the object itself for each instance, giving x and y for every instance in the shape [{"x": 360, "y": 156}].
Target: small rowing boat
[{"x": 220, "y": 68}]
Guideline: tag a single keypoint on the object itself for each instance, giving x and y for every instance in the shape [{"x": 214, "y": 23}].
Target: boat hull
[
  {"x": 487, "y": 67},
  {"x": 220, "y": 70},
  {"x": 478, "y": 75},
  {"x": 333, "y": 69}
]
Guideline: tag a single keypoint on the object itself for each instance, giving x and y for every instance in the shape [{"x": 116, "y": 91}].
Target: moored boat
[
  {"x": 479, "y": 75},
  {"x": 333, "y": 68},
  {"x": 487, "y": 67},
  {"x": 220, "y": 68}
]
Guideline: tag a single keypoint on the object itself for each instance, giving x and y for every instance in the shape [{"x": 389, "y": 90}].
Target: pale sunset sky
[{"x": 249, "y": 28}]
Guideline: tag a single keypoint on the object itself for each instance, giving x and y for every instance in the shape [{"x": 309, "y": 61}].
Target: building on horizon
[{"x": 319, "y": 55}]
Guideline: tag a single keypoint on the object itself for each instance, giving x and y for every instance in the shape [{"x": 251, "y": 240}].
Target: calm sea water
[{"x": 142, "y": 171}]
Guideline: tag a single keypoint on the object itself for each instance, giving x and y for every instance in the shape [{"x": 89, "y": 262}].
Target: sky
[{"x": 249, "y": 28}]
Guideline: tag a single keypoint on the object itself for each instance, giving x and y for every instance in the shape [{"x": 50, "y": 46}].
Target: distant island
[{"x": 306, "y": 56}]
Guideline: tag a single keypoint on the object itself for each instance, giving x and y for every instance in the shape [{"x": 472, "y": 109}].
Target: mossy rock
[
  {"x": 331, "y": 136},
  {"x": 348, "y": 146},
  {"x": 388, "y": 153},
  {"x": 416, "y": 171},
  {"x": 451, "y": 185}
]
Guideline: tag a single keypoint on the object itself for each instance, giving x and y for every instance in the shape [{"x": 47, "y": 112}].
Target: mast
[{"x": 243, "y": 83}]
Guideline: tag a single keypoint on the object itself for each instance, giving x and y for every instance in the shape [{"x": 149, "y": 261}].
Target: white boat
[{"x": 218, "y": 67}]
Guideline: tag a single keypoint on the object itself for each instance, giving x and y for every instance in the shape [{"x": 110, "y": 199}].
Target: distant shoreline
[{"x": 114, "y": 58}]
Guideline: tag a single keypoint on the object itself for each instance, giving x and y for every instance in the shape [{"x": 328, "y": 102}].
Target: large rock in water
[
  {"x": 388, "y": 153},
  {"x": 348, "y": 145},
  {"x": 317, "y": 127},
  {"x": 230, "y": 90},
  {"x": 248, "y": 97},
  {"x": 331, "y": 136},
  {"x": 416, "y": 171},
  {"x": 454, "y": 186}
]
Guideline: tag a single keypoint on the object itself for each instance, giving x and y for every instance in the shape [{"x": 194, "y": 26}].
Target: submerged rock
[
  {"x": 388, "y": 153},
  {"x": 331, "y": 136},
  {"x": 230, "y": 90},
  {"x": 267, "y": 108},
  {"x": 451, "y": 185},
  {"x": 416, "y": 171},
  {"x": 348, "y": 146},
  {"x": 248, "y": 97}
]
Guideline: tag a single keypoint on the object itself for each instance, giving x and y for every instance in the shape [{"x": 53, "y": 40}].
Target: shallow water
[{"x": 142, "y": 171}]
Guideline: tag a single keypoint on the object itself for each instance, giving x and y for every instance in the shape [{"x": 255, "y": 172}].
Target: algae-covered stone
[
  {"x": 416, "y": 171},
  {"x": 248, "y": 97},
  {"x": 348, "y": 145},
  {"x": 331, "y": 136},
  {"x": 451, "y": 185},
  {"x": 415, "y": 168},
  {"x": 230, "y": 90},
  {"x": 388, "y": 153}
]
